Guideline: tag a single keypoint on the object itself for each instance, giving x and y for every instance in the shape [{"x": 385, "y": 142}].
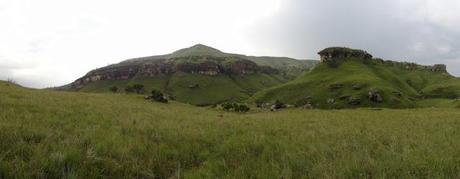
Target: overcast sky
[{"x": 53, "y": 42}]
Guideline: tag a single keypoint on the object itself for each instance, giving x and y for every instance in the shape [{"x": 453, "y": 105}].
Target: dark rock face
[
  {"x": 333, "y": 53},
  {"x": 439, "y": 68},
  {"x": 157, "y": 69},
  {"x": 243, "y": 67},
  {"x": 205, "y": 68}
]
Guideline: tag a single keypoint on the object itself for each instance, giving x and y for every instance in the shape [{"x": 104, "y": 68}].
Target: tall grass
[{"x": 80, "y": 135}]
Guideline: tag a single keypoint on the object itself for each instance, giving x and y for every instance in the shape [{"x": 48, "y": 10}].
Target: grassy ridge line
[{"x": 82, "y": 135}]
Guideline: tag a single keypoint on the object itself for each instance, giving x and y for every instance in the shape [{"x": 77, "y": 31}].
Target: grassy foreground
[{"x": 81, "y": 135}]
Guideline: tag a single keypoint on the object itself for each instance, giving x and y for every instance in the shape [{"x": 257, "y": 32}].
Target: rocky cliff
[{"x": 210, "y": 66}]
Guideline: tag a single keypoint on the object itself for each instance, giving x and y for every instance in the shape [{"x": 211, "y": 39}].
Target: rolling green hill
[
  {"x": 351, "y": 78},
  {"x": 53, "y": 134},
  {"x": 198, "y": 75}
]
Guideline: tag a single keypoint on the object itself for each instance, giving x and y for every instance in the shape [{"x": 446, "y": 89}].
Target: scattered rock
[
  {"x": 354, "y": 100},
  {"x": 357, "y": 86},
  {"x": 335, "y": 86},
  {"x": 194, "y": 86},
  {"x": 344, "y": 97},
  {"x": 277, "y": 105},
  {"x": 147, "y": 97},
  {"x": 303, "y": 101},
  {"x": 375, "y": 96},
  {"x": 308, "y": 106},
  {"x": 330, "y": 101}
]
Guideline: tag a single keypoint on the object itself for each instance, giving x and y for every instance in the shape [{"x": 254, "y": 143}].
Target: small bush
[
  {"x": 158, "y": 96},
  {"x": 114, "y": 89},
  {"x": 230, "y": 106},
  {"x": 138, "y": 88},
  {"x": 129, "y": 89}
]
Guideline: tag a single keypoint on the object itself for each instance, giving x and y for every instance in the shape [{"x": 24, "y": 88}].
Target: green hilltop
[
  {"x": 198, "y": 75},
  {"x": 348, "y": 78}
]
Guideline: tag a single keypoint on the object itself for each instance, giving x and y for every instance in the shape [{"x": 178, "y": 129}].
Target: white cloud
[
  {"x": 53, "y": 42},
  {"x": 65, "y": 39}
]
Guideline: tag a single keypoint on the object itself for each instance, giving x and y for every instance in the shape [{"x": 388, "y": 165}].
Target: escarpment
[
  {"x": 203, "y": 66},
  {"x": 334, "y": 55}
]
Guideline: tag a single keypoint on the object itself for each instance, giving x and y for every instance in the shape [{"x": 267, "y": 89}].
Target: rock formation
[
  {"x": 333, "y": 53},
  {"x": 202, "y": 65}
]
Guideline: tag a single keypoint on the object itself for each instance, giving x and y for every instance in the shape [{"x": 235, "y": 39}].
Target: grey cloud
[{"x": 388, "y": 29}]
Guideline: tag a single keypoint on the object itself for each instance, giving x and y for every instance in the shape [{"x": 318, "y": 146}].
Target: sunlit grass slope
[{"x": 46, "y": 134}]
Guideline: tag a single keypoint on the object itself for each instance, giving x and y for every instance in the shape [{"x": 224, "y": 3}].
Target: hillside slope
[
  {"x": 351, "y": 78},
  {"x": 198, "y": 75},
  {"x": 49, "y": 134}
]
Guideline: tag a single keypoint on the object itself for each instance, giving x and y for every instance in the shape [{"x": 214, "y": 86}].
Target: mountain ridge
[{"x": 207, "y": 69}]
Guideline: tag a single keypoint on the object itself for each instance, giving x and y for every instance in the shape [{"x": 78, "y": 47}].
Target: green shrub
[
  {"x": 230, "y": 106},
  {"x": 138, "y": 88},
  {"x": 158, "y": 96},
  {"x": 129, "y": 89},
  {"x": 114, "y": 89}
]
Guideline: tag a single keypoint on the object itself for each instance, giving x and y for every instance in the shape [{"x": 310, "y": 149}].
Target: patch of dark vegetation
[
  {"x": 113, "y": 89},
  {"x": 136, "y": 88},
  {"x": 157, "y": 96},
  {"x": 194, "y": 86},
  {"x": 235, "y": 107}
]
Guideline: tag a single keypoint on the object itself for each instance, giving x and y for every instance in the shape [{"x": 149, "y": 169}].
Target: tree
[{"x": 114, "y": 89}]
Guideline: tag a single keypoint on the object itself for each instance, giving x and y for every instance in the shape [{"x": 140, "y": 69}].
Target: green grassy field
[{"x": 47, "y": 134}]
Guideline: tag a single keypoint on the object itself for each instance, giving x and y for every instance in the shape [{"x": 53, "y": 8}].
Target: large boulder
[
  {"x": 375, "y": 96},
  {"x": 277, "y": 106},
  {"x": 357, "y": 86},
  {"x": 354, "y": 100}
]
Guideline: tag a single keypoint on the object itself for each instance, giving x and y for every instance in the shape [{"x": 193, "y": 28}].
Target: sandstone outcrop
[{"x": 193, "y": 65}]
